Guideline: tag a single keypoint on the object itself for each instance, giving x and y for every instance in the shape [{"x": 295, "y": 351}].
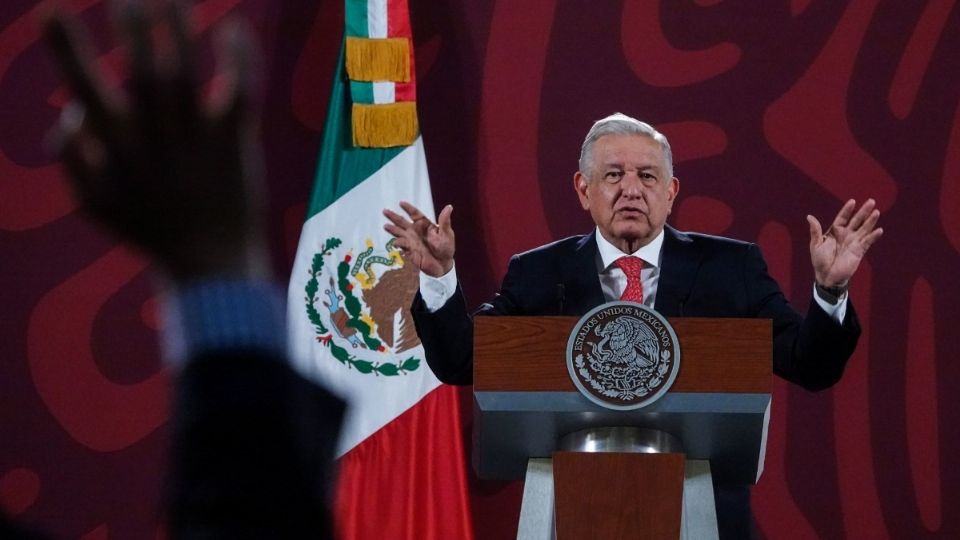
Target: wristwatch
[{"x": 831, "y": 295}]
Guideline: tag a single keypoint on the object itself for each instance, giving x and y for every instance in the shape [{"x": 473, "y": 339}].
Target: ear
[
  {"x": 673, "y": 190},
  {"x": 580, "y": 184}
]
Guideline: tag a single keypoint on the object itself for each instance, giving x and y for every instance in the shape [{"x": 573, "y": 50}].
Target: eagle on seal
[{"x": 627, "y": 340}]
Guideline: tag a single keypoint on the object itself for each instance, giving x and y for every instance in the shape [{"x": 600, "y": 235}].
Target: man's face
[{"x": 627, "y": 192}]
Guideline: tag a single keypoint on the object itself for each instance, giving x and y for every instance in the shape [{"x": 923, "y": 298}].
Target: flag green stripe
[
  {"x": 356, "y": 18},
  {"x": 341, "y": 166},
  {"x": 361, "y": 91}
]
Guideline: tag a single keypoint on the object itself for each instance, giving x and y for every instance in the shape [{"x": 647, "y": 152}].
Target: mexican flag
[{"x": 402, "y": 465}]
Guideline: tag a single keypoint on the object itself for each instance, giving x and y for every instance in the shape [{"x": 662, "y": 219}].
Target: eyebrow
[{"x": 618, "y": 165}]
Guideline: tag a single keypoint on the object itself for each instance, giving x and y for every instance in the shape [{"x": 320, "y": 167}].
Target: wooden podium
[{"x": 525, "y": 404}]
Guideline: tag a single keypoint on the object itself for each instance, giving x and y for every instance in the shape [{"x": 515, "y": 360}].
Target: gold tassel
[
  {"x": 378, "y": 59},
  {"x": 386, "y": 125}
]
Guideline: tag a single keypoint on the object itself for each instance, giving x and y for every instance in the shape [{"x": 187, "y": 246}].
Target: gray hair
[{"x": 621, "y": 124}]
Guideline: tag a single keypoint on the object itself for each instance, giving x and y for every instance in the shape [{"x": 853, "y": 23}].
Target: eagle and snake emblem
[
  {"x": 360, "y": 307},
  {"x": 622, "y": 353}
]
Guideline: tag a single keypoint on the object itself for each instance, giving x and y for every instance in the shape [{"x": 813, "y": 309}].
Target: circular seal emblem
[{"x": 623, "y": 355}]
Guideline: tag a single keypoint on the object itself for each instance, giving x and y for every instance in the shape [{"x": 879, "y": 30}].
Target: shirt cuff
[
  {"x": 217, "y": 315},
  {"x": 435, "y": 291},
  {"x": 836, "y": 311}
]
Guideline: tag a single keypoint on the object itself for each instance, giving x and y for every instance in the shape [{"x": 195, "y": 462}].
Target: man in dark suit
[
  {"x": 703, "y": 276},
  {"x": 625, "y": 180},
  {"x": 252, "y": 441}
]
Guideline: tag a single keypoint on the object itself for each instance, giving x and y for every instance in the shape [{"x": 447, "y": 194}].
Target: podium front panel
[{"x": 525, "y": 402}]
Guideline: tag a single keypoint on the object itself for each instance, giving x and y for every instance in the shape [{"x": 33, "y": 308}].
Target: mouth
[{"x": 630, "y": 212}]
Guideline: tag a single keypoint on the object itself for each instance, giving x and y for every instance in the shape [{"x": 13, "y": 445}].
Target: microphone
[{"x": 561, "y": 296}]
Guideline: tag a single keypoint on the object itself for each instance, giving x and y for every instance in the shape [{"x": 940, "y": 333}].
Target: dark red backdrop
[{"x": 775, "y": 110}]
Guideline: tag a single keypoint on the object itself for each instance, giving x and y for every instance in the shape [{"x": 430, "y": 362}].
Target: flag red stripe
[
  {"x": 408, "y": 480},
  {"x": 398, "y": 25},
  {"x": 398, "y": 19}
]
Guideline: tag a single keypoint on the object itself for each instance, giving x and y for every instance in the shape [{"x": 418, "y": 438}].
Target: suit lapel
[
  {"x": 678, "y": 271},
  {"x": 582, "y": 286}
]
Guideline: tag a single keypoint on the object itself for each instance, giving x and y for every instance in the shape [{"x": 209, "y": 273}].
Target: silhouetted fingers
[
  {"x": 135, "y": 26},
  {"x": 72, "y": 52},
  {"x": 237, "y": 62},
  {"x": 183, "y": 66},
  {"x": 82, "y": 156}
]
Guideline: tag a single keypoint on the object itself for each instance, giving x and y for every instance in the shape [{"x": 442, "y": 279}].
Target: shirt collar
[{"x": 609, "y": 253}]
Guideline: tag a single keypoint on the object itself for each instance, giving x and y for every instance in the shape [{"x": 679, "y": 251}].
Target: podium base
[{"x": 538, "y": 518}]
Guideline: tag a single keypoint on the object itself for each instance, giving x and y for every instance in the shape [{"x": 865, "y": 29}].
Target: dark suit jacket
[
  {"x": 252, "y": 450},
  {"x": 700, "y": 276}
]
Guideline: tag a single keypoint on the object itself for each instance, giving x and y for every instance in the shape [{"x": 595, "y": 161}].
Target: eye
[
  {"x": 613, "y": 176},
  {"x": 648, "y": 178}
]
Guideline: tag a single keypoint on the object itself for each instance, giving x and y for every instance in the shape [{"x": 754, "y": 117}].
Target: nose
[{"x": 632, "y": 185}]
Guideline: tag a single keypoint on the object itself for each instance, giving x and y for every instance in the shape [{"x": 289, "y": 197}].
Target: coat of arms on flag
[{"x": 359, "y": 309}]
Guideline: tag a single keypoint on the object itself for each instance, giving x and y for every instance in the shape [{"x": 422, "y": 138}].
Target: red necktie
[{"x": 631, "y": 267}]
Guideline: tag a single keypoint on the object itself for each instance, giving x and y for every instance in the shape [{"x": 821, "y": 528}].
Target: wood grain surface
[
  {"x": 528, "y": 354},
  {"x": 614, "y": 496}
]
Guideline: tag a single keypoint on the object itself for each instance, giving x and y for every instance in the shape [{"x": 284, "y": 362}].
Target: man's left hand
[{"x": 837, "y": 253}]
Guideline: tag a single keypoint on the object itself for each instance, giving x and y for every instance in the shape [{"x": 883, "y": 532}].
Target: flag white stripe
[
  {"x": 355, "y": 217},
  {"x": 384, "y": 92},
  {"x": 377, "y": 18}
]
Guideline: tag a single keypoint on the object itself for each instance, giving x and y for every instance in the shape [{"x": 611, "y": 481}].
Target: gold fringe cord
[
  {"x": 378, "y": 59},
  {"x": 386, "y": 125}
]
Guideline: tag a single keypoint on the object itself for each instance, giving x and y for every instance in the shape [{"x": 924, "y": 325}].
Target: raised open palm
[
  {"x": 836, "y": 253},
  {"x": 429, "y": 246}
]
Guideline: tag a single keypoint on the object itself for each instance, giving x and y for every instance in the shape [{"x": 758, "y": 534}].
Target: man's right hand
[{"x": 430, "y": 246}]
